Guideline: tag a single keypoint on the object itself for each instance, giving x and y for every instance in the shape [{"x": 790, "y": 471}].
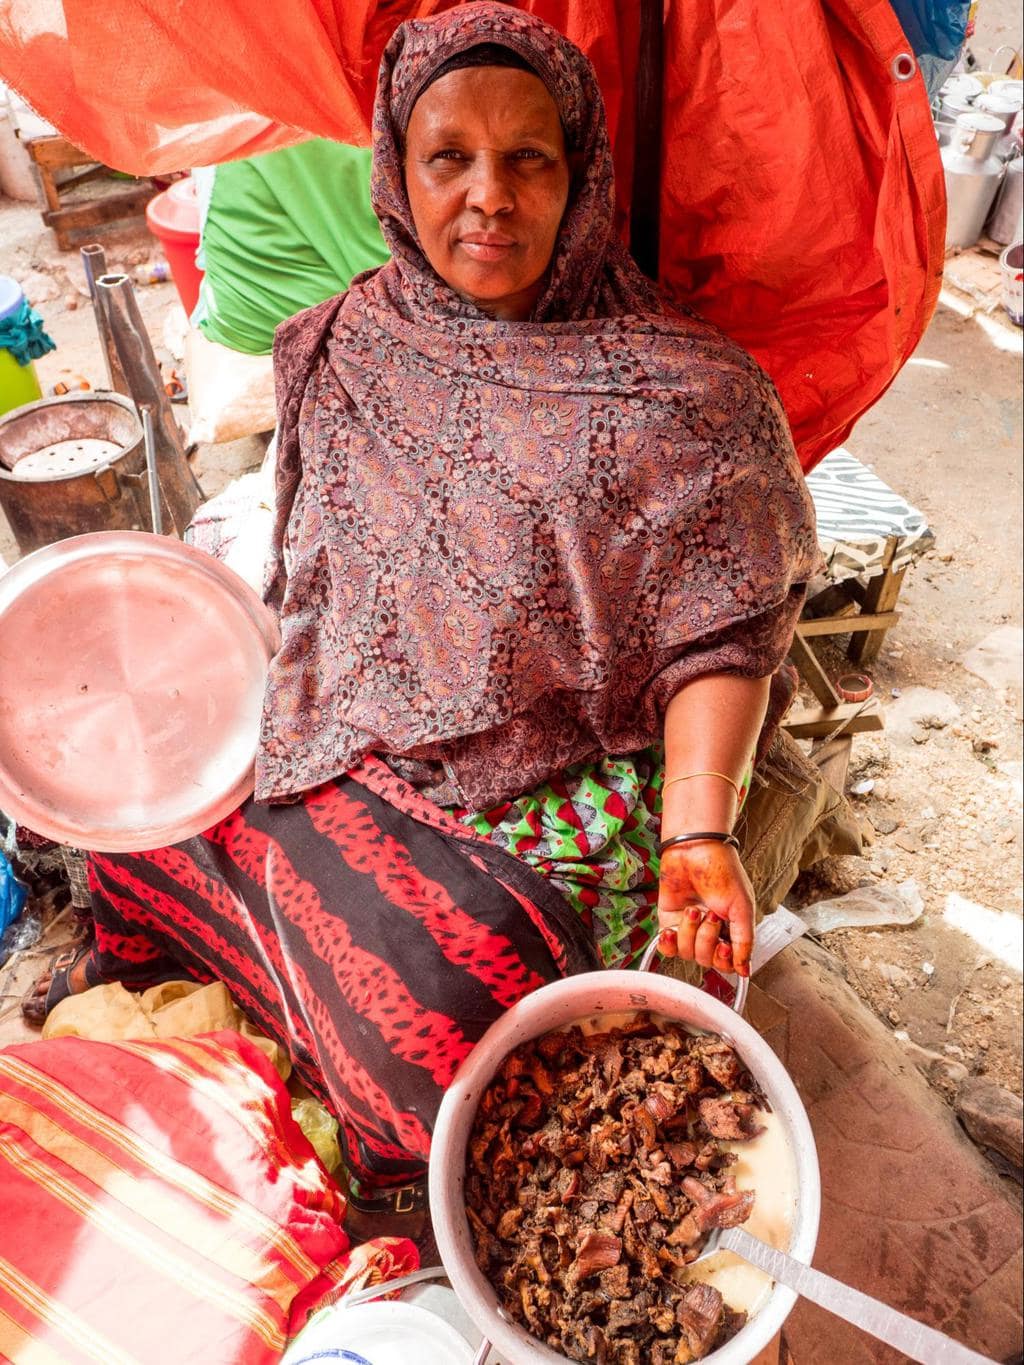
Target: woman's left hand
[{"x": 704, "y": 887}]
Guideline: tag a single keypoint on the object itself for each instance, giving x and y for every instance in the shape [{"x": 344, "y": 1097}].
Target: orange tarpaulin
[{"x": 802, "y": 203}]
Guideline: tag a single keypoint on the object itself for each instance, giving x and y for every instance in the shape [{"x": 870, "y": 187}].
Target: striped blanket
[{"x": 158, "y": 1204}]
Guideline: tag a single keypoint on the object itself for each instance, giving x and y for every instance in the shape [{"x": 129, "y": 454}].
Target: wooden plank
[
  {"x": 811, "y": 671},
  {"x": 880, "y": 597},
  {"x": 92, "y": 212},
  {"x": 849, "y": 625},
  {"x": 57, "y": 152},
  {"x": 850, "y": 718}
]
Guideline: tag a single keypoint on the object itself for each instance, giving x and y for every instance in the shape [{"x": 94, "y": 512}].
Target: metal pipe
[
  {"x": 94, "y": 263},
  {"x": 180, "y": 493},
  {"x": 146, "y": 413}
]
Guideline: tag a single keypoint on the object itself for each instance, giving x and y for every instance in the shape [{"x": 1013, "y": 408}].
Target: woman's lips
[{"x": 486, "y": 246}]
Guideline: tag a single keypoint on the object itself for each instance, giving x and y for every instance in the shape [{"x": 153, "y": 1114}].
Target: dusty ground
[
  {"x": 945, "y": 808},
  {"x": 997, "y": 33}
]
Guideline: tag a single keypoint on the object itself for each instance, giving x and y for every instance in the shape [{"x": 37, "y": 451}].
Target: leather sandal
[{"x": 37, "y": 1004}]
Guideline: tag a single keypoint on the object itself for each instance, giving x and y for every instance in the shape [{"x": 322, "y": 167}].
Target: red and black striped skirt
[{"x": 363, "y": 929}]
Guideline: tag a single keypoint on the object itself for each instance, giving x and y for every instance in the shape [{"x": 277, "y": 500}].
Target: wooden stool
[
  {"x": 869, "y": 535},
  {"x": 52, "y": 154},
  {"x": 865, "y": 613}
]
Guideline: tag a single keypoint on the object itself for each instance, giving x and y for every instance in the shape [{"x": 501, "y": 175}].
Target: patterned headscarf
[
  {"x": 509, "y": 544},
  {"x": 590, "y": 268}
]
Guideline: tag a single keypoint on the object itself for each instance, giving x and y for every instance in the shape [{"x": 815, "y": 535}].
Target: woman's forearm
[{"x": 711, "y": 725}]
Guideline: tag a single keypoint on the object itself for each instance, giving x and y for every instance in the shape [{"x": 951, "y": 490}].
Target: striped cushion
[
  {"x": 857, "y": 513},
  {"x": 158, "y": 1203}
]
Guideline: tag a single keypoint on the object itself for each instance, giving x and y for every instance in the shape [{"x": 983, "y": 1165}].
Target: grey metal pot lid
[{"x": 132, "y": 671}]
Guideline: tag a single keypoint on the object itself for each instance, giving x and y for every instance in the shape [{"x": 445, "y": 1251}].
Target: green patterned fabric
[{"x": 594, "y": 833}]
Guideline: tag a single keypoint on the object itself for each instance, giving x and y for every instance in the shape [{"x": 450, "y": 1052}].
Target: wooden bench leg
[
  {"x": 807, "y": 665},
  {"x": 881, "y": 595},
  {"x": 49, "y": 188}
]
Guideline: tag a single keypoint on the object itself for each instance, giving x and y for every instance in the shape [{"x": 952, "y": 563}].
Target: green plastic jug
[{"x": 18, "y": 383}]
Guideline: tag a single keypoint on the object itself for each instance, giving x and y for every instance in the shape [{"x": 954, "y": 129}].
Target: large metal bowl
[
  {"x": 558, "y": 1006},
  {"x": 132, "y": 670}
]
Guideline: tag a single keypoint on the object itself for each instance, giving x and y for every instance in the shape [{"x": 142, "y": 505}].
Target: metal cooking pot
[
  {"x": 972, "y": 172},
  {"x": 1004, "y": 222},
  {"x": 71, "y": 465},
  {"x": 558, "y": 1006}
]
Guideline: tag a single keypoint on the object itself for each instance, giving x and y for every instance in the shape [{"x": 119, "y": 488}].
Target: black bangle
[{"x": 704, "y": 836}]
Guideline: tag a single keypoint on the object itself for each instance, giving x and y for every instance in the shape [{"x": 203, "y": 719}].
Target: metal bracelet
[{"x": 701, "y": 837}]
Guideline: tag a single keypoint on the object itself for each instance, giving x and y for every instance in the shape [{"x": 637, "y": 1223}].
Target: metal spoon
[
  {"x": 377, "y": 1291},
  {"x": 913, "y": 1338},
  {"x": 152, "y": 476}
]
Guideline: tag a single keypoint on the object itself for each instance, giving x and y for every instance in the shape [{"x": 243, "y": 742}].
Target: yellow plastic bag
[{"x": 321, "y": 1129}]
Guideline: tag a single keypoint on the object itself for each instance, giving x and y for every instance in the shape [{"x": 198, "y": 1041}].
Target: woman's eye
[{"x": 447, "y": 154}]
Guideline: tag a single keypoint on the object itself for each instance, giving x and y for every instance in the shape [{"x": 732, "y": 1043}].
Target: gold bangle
[{"x": 689, "y": 776}]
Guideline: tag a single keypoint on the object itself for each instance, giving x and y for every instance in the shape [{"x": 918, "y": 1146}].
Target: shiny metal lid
[{"x": 132, "y": 670}]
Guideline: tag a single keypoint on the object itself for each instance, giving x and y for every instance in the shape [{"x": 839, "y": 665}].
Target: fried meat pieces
[{"x": 595, "y": 1172}]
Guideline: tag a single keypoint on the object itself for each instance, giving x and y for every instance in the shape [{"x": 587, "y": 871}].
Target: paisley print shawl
[{"x": 502, "y": 547}]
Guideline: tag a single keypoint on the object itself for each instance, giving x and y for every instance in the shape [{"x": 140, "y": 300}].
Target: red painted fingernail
[
  {"x": 666, "y": 936},
  {"x": 711, "y": 918},
  {"x": 695, "y": 915},
  {"x": 743, "y": 969}
]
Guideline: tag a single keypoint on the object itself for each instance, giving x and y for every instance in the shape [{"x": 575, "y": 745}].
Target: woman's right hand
[{"x": 703, "y": 888}]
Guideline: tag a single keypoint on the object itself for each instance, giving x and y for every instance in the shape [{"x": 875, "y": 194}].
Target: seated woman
[{"x": 541, "y": 543}]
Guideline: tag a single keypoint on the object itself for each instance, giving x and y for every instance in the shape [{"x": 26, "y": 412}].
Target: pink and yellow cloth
[{"x": 159, "y": 1204}]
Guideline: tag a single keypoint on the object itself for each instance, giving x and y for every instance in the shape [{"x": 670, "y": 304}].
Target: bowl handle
[{"x": 734, "y": 996}]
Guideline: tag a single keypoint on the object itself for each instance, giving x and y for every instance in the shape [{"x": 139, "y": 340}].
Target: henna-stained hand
[{"x": 704, "y": 888}]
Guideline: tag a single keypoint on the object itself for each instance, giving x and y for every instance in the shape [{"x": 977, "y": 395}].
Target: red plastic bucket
[{"x": 173, "y": 218}]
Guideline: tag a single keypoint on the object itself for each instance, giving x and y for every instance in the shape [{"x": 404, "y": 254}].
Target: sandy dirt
[{"x": 945, "y": 805}]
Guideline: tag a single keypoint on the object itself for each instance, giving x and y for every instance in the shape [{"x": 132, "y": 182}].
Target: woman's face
[{"x": 488, "y": 180}]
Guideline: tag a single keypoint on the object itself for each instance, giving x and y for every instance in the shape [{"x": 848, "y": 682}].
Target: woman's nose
[{"x": 490, "y": 189}]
